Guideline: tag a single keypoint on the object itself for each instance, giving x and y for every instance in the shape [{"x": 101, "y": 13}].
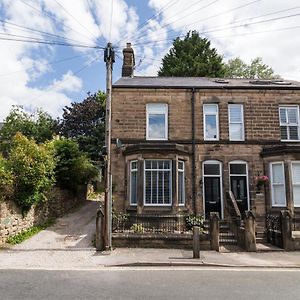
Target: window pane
[
  {"x": 292, "y": 115},
  {"x": 238, "y": 169},
  {"x": 166, "y": 164},
  {"x": 277, "y": 174},
  {"x": 211, "y": 169},
  {"x": 148, "y": 187},
  {"x": 180, "y": 165},
  {"x": 283, "y": 132},
  {"x": 133, "y": 188},
  {"x": 282, "y": 114},
  {"x": 167, "y": 190},
  {"x": 156, "y": 126},
  {"x": 235, "y": 113},
  {"x": 211, "y": 127},
  {"x": 134, "y": 165},
  {"x": 236, "y": 131},
  {"x": 293, "y": 132},
  {"x": 180, "y": 187},
  {"x": 296, "y": 173},
  {"x": 157, "y": 108},
  {"x": 296, "y": 194},
  {"x": 210, "y": 108},
  {"x": 278, "y": 195}
]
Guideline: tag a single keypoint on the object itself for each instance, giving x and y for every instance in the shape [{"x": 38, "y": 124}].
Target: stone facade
[
  {"x": 59, "y": 202},
  {"x": 262, "y": 131}
]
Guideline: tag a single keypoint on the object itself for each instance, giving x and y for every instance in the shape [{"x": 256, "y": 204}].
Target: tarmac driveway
[{"x": 75, "y": 231}]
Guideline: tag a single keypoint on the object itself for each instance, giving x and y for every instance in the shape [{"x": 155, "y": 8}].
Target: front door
[
  {"x": 240, "y": 192},
  {"x": 212, "y": 195}
]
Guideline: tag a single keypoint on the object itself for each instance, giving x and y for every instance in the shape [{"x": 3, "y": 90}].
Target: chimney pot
[{"x": 128, "y": 61}]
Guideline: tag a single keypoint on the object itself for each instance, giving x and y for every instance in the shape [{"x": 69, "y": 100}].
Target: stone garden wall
[{"x": 59, "y": 202}]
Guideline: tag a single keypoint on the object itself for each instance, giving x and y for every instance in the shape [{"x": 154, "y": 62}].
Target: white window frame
[
  {"x": 130, "y": 182},
  {"x": 289, "y": 124},
  {"x": 170, "y": 182},
  {"x": 165, "y": 112},
  {"x": 242, "y": 122},
  {"x": 206, "y": 162},
  {"x": 217, "y": 121},
  {"x": 239, "y": 162},
  {"x": 293, "y": 181},
  {"x": 272, "y": 184},
  {"x": 183, "y": 183}
]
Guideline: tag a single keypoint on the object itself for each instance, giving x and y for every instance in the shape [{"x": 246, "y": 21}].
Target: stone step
[{"x": 266, "y": 247}]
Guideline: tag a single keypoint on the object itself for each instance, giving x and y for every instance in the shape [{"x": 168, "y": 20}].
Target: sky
[{"x": 58, "y": 56}]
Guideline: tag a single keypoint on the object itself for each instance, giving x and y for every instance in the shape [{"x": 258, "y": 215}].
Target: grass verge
[{"x": 28, "y": 233}]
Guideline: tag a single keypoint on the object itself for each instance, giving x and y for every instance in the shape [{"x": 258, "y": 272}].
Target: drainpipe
[{"x": 193, "y": 151}]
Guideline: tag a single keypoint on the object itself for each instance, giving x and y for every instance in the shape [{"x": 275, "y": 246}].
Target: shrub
[
  {"x": 194, "y": 220},
  {"x": 6, "y": 179},
  {"x": 32, "y": 166},
  {"x": 73, "y": 167}
]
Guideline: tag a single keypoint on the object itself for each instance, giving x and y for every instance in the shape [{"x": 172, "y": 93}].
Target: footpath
[{"x": 67, "y": 245}]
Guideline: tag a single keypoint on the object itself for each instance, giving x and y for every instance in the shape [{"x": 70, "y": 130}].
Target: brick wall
[{"x": 60, "y": 201}]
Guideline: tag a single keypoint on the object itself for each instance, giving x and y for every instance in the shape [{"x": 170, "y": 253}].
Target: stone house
[{"x": 180, "y": 144}]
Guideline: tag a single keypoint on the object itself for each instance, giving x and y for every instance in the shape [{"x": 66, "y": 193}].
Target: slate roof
[{"x": 203, "y": 82}]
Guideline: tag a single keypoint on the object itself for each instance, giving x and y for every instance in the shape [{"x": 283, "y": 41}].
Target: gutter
[{"x": 193, "y": 151}]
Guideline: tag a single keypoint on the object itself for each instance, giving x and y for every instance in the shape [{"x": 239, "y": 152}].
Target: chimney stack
[{"x": 128, "y": 61}]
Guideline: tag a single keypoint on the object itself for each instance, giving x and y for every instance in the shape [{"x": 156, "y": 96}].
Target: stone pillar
[
  {"x": 250, "y": 238},
  {"x": 286, "y": 230},
  {"x": 100, "y": 223},
  {"x": 214, "y": 231},
  {"x": 196, "y": 242}
]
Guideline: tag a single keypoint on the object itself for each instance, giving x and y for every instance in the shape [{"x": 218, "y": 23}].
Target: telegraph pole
[{"x": 109, "y": 58}]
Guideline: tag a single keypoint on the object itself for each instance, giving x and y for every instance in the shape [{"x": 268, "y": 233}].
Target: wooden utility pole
[{"x": 109, "y": 58}]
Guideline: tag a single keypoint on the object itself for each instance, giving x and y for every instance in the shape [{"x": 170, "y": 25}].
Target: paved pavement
[{"x": 67, "y": 245}]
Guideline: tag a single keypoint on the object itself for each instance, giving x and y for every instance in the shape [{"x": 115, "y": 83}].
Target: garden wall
[{"x": 59, "y": 202}]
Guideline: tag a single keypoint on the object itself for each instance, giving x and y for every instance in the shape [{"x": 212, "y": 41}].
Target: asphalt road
[{"x": 151, "y": 284}]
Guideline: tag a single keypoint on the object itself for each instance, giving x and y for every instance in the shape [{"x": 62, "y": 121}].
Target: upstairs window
[
  {"x": 236, "y": 122},
  {"x": 211, "y": 122},
  {"x": 157, "y": 121},
  {"x": 289, "y": 123}
]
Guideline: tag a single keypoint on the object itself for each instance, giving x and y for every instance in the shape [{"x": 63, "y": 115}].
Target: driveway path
[{"x": 71, "y": 232}]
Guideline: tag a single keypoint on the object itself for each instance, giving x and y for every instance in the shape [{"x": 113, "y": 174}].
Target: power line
[
  {"x": 186, "y": 15},
  {"x": 46, "y": 64},
  {"x": 53, "y": 43},
  {"x": 53, "y": 18},
  {"x": 26, "y": 29},
  {"x": 95, "y": 37},
  {"x": 223, "y": 28}
]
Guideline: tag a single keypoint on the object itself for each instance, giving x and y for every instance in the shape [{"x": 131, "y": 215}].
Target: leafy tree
[
  {"x": 6, "y": 180},
  {"x": 236, "y": 68},
  {"x": 85, "y": 122},
  {"x": 39, "y": 126},
  {"x": 32, "y": 167},
  {"x": 193, "y": 56},
  {"x": 72, "y": 166}
]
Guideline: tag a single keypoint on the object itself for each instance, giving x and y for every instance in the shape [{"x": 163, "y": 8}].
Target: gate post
[
  {"x": 250, "y": 238},
  {"x": 196, "y": 242},
  {"x": 214, "y": 231},
  {"x": 100, "y": 223},
  {"x": 286, "y": 230}
]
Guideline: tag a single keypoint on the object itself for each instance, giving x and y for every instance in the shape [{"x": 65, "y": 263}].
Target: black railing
[
  {"x": 140, "y": 224},
  {"x": 274, "y": 230}
]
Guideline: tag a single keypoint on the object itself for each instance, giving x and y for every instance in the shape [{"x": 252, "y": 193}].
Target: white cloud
[{"x": 68, "y": 83}]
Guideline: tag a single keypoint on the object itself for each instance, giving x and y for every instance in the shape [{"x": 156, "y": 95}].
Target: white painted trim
[
  {"x": 166, "y": 113},
  {"x": 183, "y": 187},
  {"x": 221, "y": 184},
  {"x": 271, "y": 183},
  {"x": 293, "y": 184},
  {"x": 243, "y": 122},
  {"x": 170, "y": 183},
  {"x": 217, "y": 122},
  {"x": 130, "y": 178},
  {"x": 247, "y": 177}
]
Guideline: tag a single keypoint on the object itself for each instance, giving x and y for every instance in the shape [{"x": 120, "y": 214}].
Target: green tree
[
  {"x": 72, "y": 166},
  {"x": 193, "y": 56},
  {"x": 85, "y": 123},
  {"x": 32, "y": 167},
  {"x": 39, "y": 126},
  {"x": 257, "y": 69}
]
